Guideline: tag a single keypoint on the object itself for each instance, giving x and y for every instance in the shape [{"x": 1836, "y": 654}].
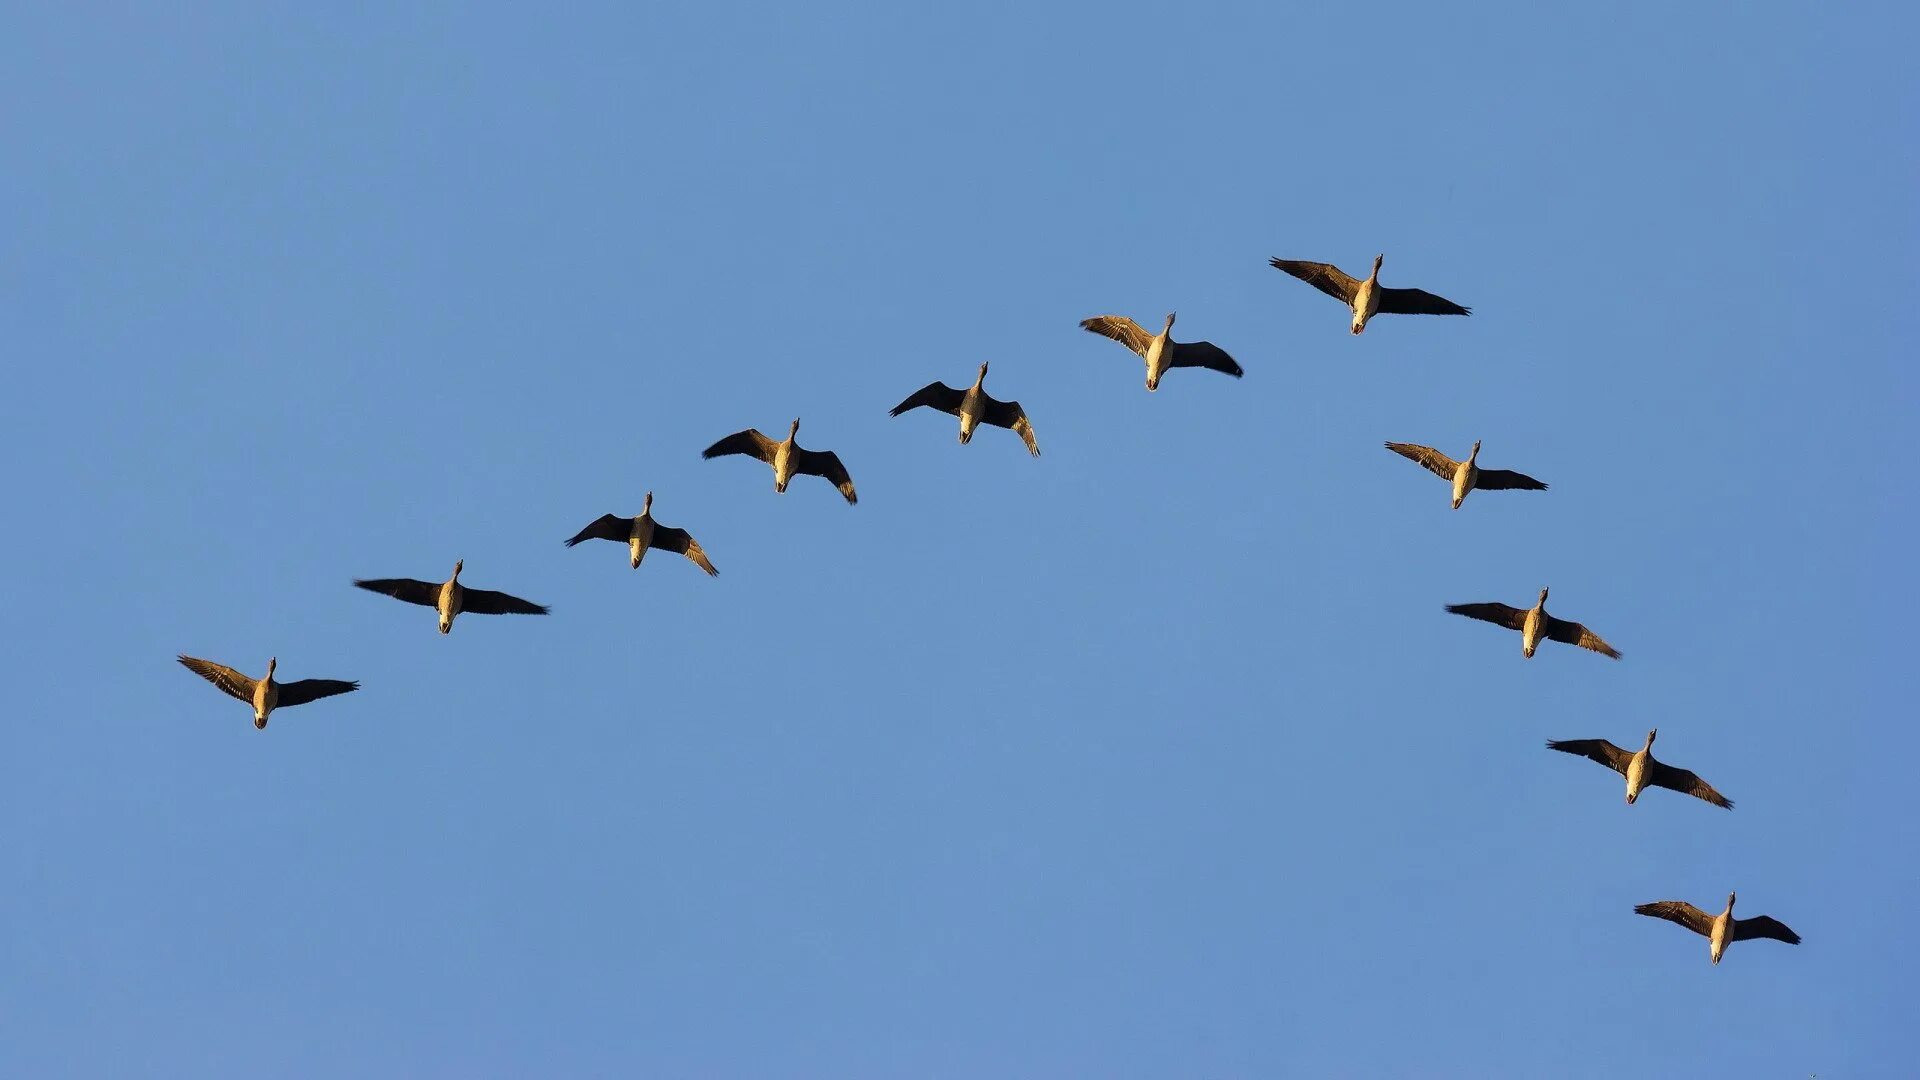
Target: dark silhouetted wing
[
  {"x": 605, "y": 527},
  {"x": 484, "y": 602},
  {"x": 1207, "y": 355},
  {"x": 748, "y": 442},
  {"x": 1687, "y": 783},
  {"x": 1121, "y": 329},
  {"x": 935, "y": 395},
  {"x": 1432, "y": 460},
  {"x": 299, "y": 693},
  {"x": 1506, "y": 480},
  {"x": 1599, "y": 750},
  {"x": 1323, "y": 276},
  {"x": 1679, "y": 911},
  {"x": 424, "y": 593},
  {"x": 1572, "y": 633},
  {"x": 1763, "y": 926},
  {"x": 222, "y": 676},
  {"x": 1498, "y": 614},
  {"x": 682, "y": 542},
  {"x": 1009, "y": 414},
  {"x": 826, "y": 463},
  {"x": 1417, "y": 302}
]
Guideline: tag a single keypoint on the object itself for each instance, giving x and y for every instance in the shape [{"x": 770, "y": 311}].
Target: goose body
[
  {"x": 265, "y": 695},
  {"x": 449, "y": 598},
  {"x": 1642, "y": 769},
  {"x": 1720, "y": 930},
  {"x": 1535, "y": 626},
  {"x": 1465, "y": 476},
  {"x": 1160, "y": 351},
  {"x": 788, "y": 458},
  {"x": 1366, "y": 297},
  {"x": 974, "y": 407},
  {"x": 643, "y": 532}
]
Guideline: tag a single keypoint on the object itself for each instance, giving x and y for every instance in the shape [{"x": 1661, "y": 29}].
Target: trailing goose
[
  {"x": 1465, "y": 475},
  {"x": 1367, "y": 298},
  {"x": 641, "y": 533},
  {"x": 1160, "y": 351},
  {"x": 266, "y": 695},
  {"x": 1535, "y": 624},
  {"x": 450, "y": 598},
  {"x": 787, "y": 457},
  {"x": 1720, "y": 930},
  {"x": 974, "y": 407},
  {"x": 1640, "y": 768}
]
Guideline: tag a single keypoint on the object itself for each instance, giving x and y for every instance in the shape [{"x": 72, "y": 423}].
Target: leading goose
[
  {"x": 1535, "y": 624},
  {"x": 1160, "y": 351},
  {"x": 787, "y": 457},
  {"x": 266, "y": 695},
  {"x": 1640, "y": 768},
  {"x": 450, "y": 598},
  {"x": 641, "y": 533},
  {"x": 1465, "y": 475},
  {"x": 974, "y": 407},
  {"x": 1719, "y": 930},
  {"x": 1367, "y": 298}
]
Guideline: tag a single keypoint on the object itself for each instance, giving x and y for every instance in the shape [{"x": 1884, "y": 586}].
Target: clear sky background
[{"x": 1154, "y": 756}]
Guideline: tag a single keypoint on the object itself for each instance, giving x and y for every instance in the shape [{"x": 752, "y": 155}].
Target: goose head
[
  {"x": 794, "y": 430},
  {"x": 1542, "y": 602},
  {"x": 1171, "y": 315},
  {"x": 272, "y": 662},
  {"x": 982, "y": 377},
  {"x": 458, "y": 564},
  {"x": 1476, "y": 451},
  {"x": 646, "y": 507},
  {"x": 1730, "y": 899},
  {"x": 1377, "y": 260}
]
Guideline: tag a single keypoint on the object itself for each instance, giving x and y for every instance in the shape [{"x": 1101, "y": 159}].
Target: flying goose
[
  {"x": 641, "y": 533},
  {"x": 787, "y": 458},
  {"x": 1720, "y": 930},
  {"x": 974, "y": 407},
  {"x": 1640, "y": 769},
  {"x": 1367, "y": 298},
  {"x": 450, "y": 598},
  {"x": 265, "y": 695},
  {"x": 1160, "y": 350},
  {"x": 1465, "y": 475},
  {"x": 1534, "y": 624}
]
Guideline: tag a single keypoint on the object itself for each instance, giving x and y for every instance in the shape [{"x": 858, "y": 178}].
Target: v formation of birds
[{"x": 1365, "y": 298}]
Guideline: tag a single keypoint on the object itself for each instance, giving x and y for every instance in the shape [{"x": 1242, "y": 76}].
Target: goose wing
[
  {"x": 934, "y": 395},
  {"x": 1763, "y": 926},
  {"x": 1121, "y": 329},
  {"x": 1506, "y": 480},
  {"x": 424, "y": 593},
  {"x": 749, "y": 442},
  {"x": 1687, "y": 782},
  {"x": 1207, "y": 355},
  {"x": 485, "y": 602},
  {"x": 1009, "y": 414},
  {"x": 1326, "y": 277},
  {"x": 1572, "y": 633},
  {"x": 680, "y": 541},
  {"x": 1432, "y": 460},
  {"x": 1678, "y": 911},
  {"x": 1599, "y": 750},
  {"x": 228, "y": 680},
  {"x": 1418, "y": 302},
  {"x": 305, "y": 690},
  {"x": 826, "y": 463},
  {"x": 1497, "y": 614},
  {"x": 605, "y": 527}
]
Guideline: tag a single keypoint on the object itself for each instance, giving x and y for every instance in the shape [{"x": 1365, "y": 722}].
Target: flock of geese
[{"x": 1364, "y": 297}]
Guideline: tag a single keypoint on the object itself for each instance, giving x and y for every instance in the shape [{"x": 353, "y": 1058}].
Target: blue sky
[{"x": 1153, "y": 756}]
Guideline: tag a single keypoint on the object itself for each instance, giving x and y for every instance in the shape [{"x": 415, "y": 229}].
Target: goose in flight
[
  {"x": 787, "y": 457},
  {"x": 1640, "y": 769},
  {"x": 974, "y": 407},
  {"x": 1160, "y": 351},
  {"x": 450, "y": 598},
  {"x": 265, "y": 695},
  {"x": 641, "y": 533},
  {"x": 1367, "y": 298},
  {"x": 1535, "y": 624},
  {"x": 1465, "y": 475},
  {"x": 1720, "y": 930}
]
